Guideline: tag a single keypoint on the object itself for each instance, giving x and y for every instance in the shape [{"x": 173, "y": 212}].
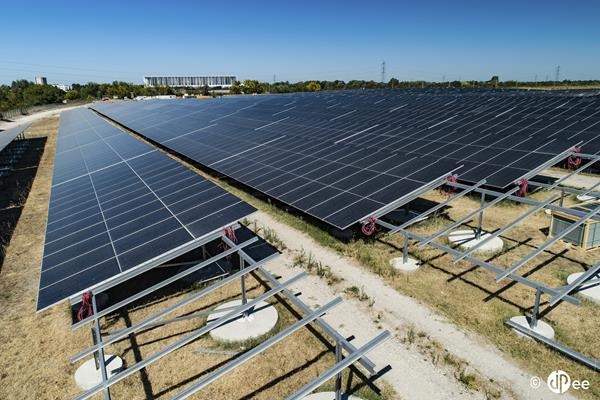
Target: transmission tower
[
  {"x": 557, "y": 75},
  {"x": 383, "y": 72}
]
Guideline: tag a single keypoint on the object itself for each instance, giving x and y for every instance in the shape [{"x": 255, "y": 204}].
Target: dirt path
[
  {"x": 413, "y": 375},
  {"x": 36, "y": 116}
]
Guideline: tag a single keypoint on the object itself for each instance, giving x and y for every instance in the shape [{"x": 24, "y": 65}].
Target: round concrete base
[
  {"x": 542, "y": 328},
  {"x": 592, "y": 293},
  {"x": 584, "y": 197},
  {"x": 328, "y": 396},
  {"x": 410, "y": 265},
  {"x": 261, "y": 320},
  {"x": 87, "y": 376},
  {"x": 465, "y": 239},
  {"x": 548, "y": 211}
]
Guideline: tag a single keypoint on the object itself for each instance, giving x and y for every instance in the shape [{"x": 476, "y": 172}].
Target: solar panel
[
  {"x": 118, "y": 204},
  {"x": 339, "y": 156},
  {"x": 7, "y": 136}
]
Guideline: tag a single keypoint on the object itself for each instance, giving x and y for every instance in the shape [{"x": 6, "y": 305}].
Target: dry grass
[{"x": 36, "y": 348}]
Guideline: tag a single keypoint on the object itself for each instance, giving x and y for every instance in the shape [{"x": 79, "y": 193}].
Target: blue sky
[{"x": 102, "y": 41}]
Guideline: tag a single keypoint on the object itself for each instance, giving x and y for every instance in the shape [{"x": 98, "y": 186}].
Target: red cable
[
  {"x": 574, "y": 162},
  {"x": 86, "y": 306},
  {"x": 447, "y": 188},
  {"x": 368, "y": 228},
  {"x": 524, "y": 185}
]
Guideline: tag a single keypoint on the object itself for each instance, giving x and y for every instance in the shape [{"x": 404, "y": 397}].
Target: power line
[{"x": 383, "y": 72}]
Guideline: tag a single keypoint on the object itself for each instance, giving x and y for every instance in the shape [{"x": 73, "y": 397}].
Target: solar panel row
[
  {"x": 117, "y": 203},
  {"x": 340, "y": 156},
  {"x": 7, "y": 136}
]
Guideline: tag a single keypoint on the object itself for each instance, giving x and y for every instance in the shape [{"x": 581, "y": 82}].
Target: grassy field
[{"x": 36, "y": 348}]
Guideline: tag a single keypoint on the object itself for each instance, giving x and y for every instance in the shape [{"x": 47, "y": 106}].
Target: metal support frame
[
  {"x": 467, "y": 217},
  {"x": 291, "y": 297},
  {"x": 248, "y": 266},
  {"x": 506, "y": 228},
  {"x": 547, "y": 244},
  {"x": 216, "y": 374},
  {"x": 576, "y": 284},
  {"x": 523, "y": 200},
  {"x": 187, "y": 339},
  {"x": 340, "y": 366},
  {"x": 577, "y": 356},
  {"x": 168, "y": 281},
  {"x": 491, "y": 267},
  {"x": 438, "y": 207},
  {"x": 147, "y": 321},
  {"x": 588, "y": 279},
  {"x": 582, "y": 192}
]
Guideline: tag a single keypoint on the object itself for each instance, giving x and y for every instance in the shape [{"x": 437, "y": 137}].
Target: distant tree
[
  {"x": 235, "y": 88},
  {"x": 313, "y": 86},
  {"x": 205, "y": 91},
  {"x": 252, "y": 86},
  {"x": 72, "y": 95},
  {"x": 393, "y": 83}
]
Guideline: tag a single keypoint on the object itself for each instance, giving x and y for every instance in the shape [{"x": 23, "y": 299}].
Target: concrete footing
[
  {"x": 87, "y": 376},
  {"x": 259, "y": 321},
  {"x": 410, "y": 265},
  {"x": 466, "y": 239},
  {"x": 542, "y": 327},
  {"x": 592, "y": 293},
  {"x": 584, "y": 197}
]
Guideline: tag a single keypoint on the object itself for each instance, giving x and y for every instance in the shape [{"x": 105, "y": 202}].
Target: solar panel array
[
  {"x": 340, "y": 156},
  {"x": 7, "y": 136},
  {"x": 117, "y": 203}
]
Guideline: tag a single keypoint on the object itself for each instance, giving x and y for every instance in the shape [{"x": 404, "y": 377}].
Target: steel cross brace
[
  {"x": 368, "y": 364},
  {"x": 507, "y": 227},
  {"x": 547, "y": 244},
  {"x": 491, "y": 267},
  {"x": 466, "y": 218},
  {"x": 187, "y": 339}
]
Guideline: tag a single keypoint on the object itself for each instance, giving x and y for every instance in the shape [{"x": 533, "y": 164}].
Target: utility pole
[
  {"x": 383, "y": 72},
  {"x": 557, "y": 75},
  {"x": 535, "y": 80},
  {"x": 274, "y": 78}
]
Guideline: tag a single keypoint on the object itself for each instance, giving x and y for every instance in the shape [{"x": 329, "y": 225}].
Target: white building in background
[
  {"x": 189, "y": 81},
  {"x": 63, "y": 87},
  {"x": 41, "y": 80}
]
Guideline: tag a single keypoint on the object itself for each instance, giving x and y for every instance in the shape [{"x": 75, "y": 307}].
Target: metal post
[
  {"x": 536, "y": 309},
  {"x": 100, "y": 353},
  {"x": 338, "y": 377},
  {"x": 480, "y": 222},
  {"x": 95, "y": 342},
  {"x": 562, "y": 197},
  {"x": 405, "y": 250},
  {"x": 243, "y": 286}
]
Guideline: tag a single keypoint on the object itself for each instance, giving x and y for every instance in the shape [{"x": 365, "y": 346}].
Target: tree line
[{"x": 23, "y": 93}]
